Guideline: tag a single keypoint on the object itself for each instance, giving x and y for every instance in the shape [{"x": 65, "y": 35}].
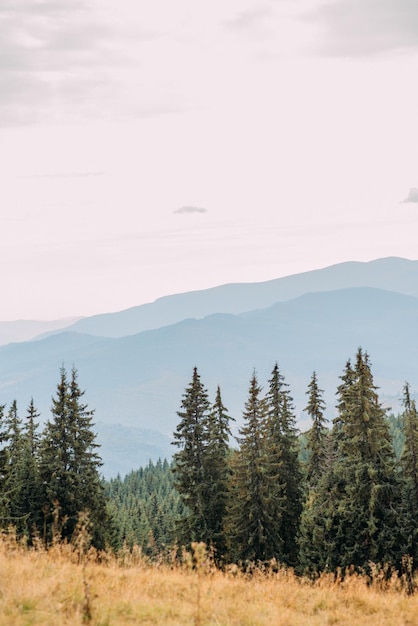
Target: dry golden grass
[{"x": 53, "y": 588}]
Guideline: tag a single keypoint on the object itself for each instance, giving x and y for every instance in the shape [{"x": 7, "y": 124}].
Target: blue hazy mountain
[
  {"x": 392, "y": 274},
  {"x": 25, "y": 330},
  {"x": 136, "y": 382}
]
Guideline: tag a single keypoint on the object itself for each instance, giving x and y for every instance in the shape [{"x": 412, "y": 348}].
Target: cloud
[
  {"x": 248, "y": 19},
  {"x": 412, "y": 196},
  {"x": 190, "y": 209},
  {"x": 366, "y": 27},
  {"x": 63, "y": 61}
]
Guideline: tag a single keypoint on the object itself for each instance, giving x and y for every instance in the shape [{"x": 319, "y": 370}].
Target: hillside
[
  {"x": 392, "y": 274},
  {"x": 25, "y": 330},
  {"x": 136, "y": 382}
]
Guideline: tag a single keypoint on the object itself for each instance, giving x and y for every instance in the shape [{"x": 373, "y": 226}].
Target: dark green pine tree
[
  {"x": 87, "y": 462},
  {"x": 27, "y": 498},
  {"x": 409, "y": 469},
  {"x": 353, "y": 516},
  {"x": 319, "y": 536},
  {"x": 189, "y": 462},
  {"x": 31, "y": 494},
  {"x": 69, "y": 464},
  {"x": 317, "y": 434},
  {"x": 217, "y": 474},
  {"x": 344, "y": 399},
  {"x": 13, "y": 483},
  {"x": 3, "y": 463},
  {"x": 252, "y": 530},
  {"x": 369, "y": 524},
  {"x": 283, "y": 467}
]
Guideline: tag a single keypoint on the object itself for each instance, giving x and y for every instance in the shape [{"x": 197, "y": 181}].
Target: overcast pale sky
[{"x": 150, "y": 148}]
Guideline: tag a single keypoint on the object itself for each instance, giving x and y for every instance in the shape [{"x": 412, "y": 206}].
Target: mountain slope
[
  {"x": 392, "y": 274},
  {"x": 138, "y": 381},
  {"x": 25, "y": 330}
]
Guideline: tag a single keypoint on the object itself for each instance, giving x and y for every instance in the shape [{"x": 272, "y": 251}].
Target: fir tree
[
  {"x": 317, "y": 434},
  {"x": 31, "y": 492},
  {"x": 13, "y": 479},
  {"x": 252, "y": 528},
  {"x": 409, "y": 468},
  {"x": 189, "y": 461},
  {"x": 353, "y": 514},
  {"x": 320, "y": 536},
  {"x": 69, "y": 463},
  {"x": 27, "y": 496},
  {"x": 283, "y": 467},
  {"x": 217, "y": 473},
  {"x": 369, "y": 509}
]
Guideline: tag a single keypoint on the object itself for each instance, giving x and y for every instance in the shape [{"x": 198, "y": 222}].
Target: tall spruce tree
[
  {"x": 319, "y": 536},
  {"x": 13, "y": 484},
  {"x": 283, "y": 467},
  {"x": 191, "y": 437},
  {"x": 23, "y": 476},
  {"x": 409, "y": 469},
  {"x": 30, "y": 491},
  {"x": 69, "y": 463},
  {"x": 317, "y": 434},
  {"x": 252, "y": 528},
  {"x": 366, "y": 523},
  {"x": 217, "y": 474}
]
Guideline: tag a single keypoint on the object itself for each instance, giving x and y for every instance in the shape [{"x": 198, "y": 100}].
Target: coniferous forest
[{"x": 343, "y": 495}]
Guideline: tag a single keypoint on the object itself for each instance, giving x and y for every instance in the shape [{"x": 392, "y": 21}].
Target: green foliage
[
  {"x": 144, "y": 507},
  {"x": 251, "y": 526},
  {"x": 201, "y": 466},
  {"x": 317, "y": 435},
  {"x": 409, "y": 469},
  {"x": 283, "y": 466},
  {"x": 69, "y": 464},
  {"x": 189, "y": 462},
  {"x": 266, "y": 482},
  {"x": 353, "y": 516},
  {"x": 217, "y": 475},
  {"x": 359, "y": 480}
]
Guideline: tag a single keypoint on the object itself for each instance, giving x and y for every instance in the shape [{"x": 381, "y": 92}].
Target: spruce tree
[
  {"x": 189, "y": 462},
  {"x": 252, "y": 529},
  {"x": 320, "y": 536},
  {"x": 283, "y": 467},
  {"x": 409, "y": 469},
  {"x": 12, "y": 478},
  {"x": 31, "y": 489},
  {"x": 69, "y": 464},
  {"x": 27, "y": 494},
  {"x": 317, "y": 434},
  {"x": 369, "y": 509},
  {"x": 217, "y": 474},
  {"x": 353, "y": 515}
]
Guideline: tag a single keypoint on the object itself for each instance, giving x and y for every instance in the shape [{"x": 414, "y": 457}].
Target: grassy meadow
[{"x": 62, "y": 587}]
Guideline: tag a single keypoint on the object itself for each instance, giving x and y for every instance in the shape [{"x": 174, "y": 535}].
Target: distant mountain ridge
[
  {"x": 136, "y": 382},
  {"x": 25, "y": 330},
  {"x": 392, "y": 274}
]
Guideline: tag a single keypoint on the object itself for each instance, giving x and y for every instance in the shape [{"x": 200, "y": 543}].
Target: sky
[{"x": 152, "y": 148}]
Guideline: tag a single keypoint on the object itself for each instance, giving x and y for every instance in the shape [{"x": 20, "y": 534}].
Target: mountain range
[{"x": 136, "y": 364}]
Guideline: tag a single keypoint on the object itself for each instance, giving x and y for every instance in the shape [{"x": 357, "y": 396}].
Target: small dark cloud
[
  {"x": 190, "y": 209},
  {"x": 366, "y": 27},
  {"x": 412, "y": 196}
]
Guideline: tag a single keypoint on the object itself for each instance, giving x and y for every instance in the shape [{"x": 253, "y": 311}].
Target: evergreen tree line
[
  {"x": 144, "y": 507},
  {"x": 342, "y": 499},
  {"x": 48, "y": 478},
  {"x": 352, "y": 502}
]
